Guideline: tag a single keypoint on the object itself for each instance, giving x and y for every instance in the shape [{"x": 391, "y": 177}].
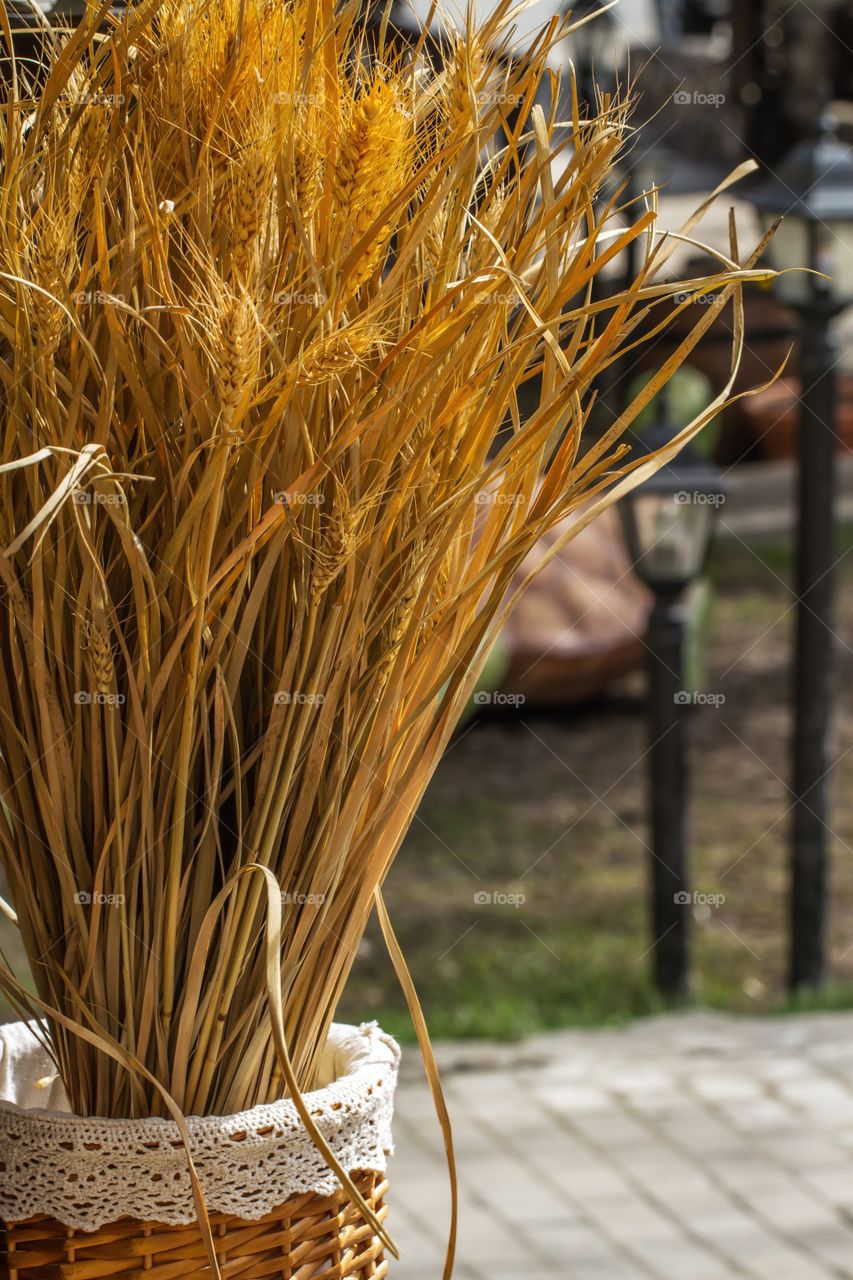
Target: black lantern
[
  {"x": 813, "y": 192},
  {"x": 591, "y": 45},
  {"x": 668, "y": 522}
]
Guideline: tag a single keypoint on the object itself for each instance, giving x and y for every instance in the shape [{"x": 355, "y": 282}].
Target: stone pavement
[{"x": 690, "y": 1147}]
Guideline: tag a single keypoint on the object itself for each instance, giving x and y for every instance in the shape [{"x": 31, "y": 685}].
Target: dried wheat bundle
[{"x": 268, "y": 291}]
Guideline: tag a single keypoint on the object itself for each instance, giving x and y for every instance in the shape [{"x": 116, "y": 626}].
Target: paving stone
[
  {"x": 727, "y": 1088},
  {"x": 785, "y": 1266},
  {"x": 615, "y": 1269},
  {"x": 688, "y": 1147},
  {"x": 759, "y": 1115},
  {"x": 803, "y": 1147},
  {"x": 795, "y": 1211},
  {"x": 679, "y": 1260},
  {"x": 834, "y": 1183},
  {"x": 748, "y": 1174},
  {"x": 581, "y": 1243},
  {"x": 666, "y": 1177},
  {"x": 634, "y": 1221}
]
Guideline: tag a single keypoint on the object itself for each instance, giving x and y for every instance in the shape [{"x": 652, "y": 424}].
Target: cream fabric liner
[{"x": 88, "y": 1172}]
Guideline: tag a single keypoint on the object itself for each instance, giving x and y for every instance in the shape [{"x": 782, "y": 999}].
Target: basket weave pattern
[
  {"x": 94, "y": 1198},
  {"x": 308, "y": 1236}
]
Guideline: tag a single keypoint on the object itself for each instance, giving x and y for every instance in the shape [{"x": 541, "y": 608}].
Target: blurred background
[
  {"x": 626, "y": 900},
  {"x": 524, "y": 895}
]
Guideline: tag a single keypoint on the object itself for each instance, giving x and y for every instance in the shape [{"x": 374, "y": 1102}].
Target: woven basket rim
[
  {"x": 307, "y": 1235},
  {"x": 87, "y": 1171}
]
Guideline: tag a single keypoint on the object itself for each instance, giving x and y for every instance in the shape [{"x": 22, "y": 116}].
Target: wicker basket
[
  {"x": 308, "y": 1236},
  {"x": 72, "y": 1192}
]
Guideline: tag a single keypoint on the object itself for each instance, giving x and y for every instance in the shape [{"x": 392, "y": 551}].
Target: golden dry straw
[{"x": 268, "y": 292}]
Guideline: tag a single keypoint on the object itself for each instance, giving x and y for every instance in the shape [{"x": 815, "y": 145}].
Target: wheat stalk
[
  {"x": 251, "y": 182},
  {"x": 340, "y": 351},
  {"x": 281, "y": 579},
  {"x": 236, "y": 355}
]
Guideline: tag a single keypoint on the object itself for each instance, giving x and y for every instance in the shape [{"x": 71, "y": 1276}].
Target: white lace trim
[{"x": 89, "y": 1172}]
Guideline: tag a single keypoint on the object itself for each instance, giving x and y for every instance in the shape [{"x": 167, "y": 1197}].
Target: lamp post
[
  {"x": 814, "y": 191},
  {"x": 668, "y": 522},
  {"x": 591, "y": 46}
]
